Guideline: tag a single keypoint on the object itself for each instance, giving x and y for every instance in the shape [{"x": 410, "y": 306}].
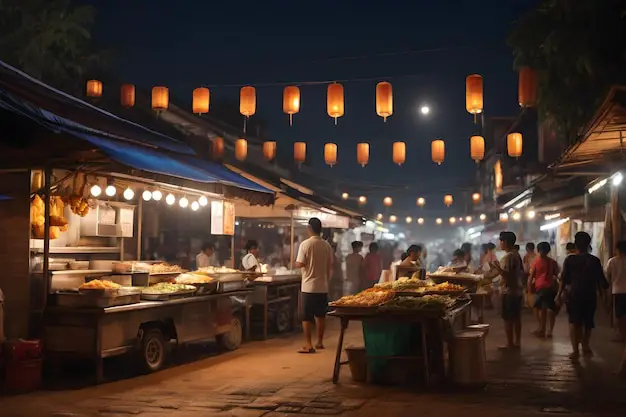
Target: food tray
[
  {"x": 205, "y": 288},
  {"x": 421, "y": 294},
  {"x": 78, "y": 300},
  {"x": 354, "y": 310},
  {"x": 167, "y": 273},
  {"x": 167, "y": 297},
  {"x": 100, "y": 292}
]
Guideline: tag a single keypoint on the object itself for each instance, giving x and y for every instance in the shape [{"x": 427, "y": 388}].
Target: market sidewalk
[{"x": 270, "y": 379}]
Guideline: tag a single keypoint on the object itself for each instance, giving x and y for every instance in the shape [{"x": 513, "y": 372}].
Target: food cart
[{"x": 277, "y": 296}]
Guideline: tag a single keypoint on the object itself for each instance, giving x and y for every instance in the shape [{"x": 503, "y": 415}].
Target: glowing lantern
[
  {"x": 94, "y": 89},
  {"x": 475, "y": 197},
  {"x": 438, "y": 221},
  {"x": 399, "y": 153},
  {"x": 362, "y": 199},
  {"x": 160, "y": 98},
  {"x": 420, "y": 221},
  {"x": 330, "y": 154},
  {"x": 527, "y": 87},
  {"x": 474, "y": 94},
  {"x": 299, "y": 152},
  {"x": 468, "y": 219},
  {"x": 379, "y": 216},
  {"x": 291, "y": 101},
  {"x": 363, "y": 153},
  {"x": 483, "y": 217},
  {"x": 345, "y": 196},
  {"x": 438, "y": 151},
  {"x": 384, "y": 100},
  {"x": 241, "y": 149},
  {"x": 452, "y": 220},
  {"x": 201, "y": 100},
  {"x": 477, "y": 148},
  {"x": 514, "y": 144},
  {"x": 387, "y": 201},
  {"x": 334, "y": 101},
  {"x": 247, "y": 101},
  {"x": 447, "y": 200},
  {"x": 127, "y": 95},
  {"x": 409, "y": 219},
  {"x": 421, "y": 201},
  {"x": 217, "y": 147},
  {"x": 497, "y": 174},
  {"x": 392, "y": 218},
  {"x": 269, "y": 150}
]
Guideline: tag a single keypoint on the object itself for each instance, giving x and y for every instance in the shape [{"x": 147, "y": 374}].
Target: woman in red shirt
[
  {"x": 373, "y": 267},
  {"x": 543, "y": 282}
]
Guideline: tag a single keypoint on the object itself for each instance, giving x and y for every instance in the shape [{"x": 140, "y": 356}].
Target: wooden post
[
  {"x": 139, "y": 227},
  {"x": 232, "y": 250},
  {"x": 616, "y": 219}
]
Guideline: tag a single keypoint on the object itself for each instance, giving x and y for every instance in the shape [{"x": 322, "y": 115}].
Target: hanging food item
[
  {"x": 399, "y": 153},
  {"x": 291, "y": 101},
  {"x": 78, "y": 204},
  {"x": 438, "y": 151},
  {"x": 201, "y": 100},
  {"x": 363, "y": 153},
  {"x": 384, "y": 100},
  {"x": 477, "y": 148},
  {"x": 127, "y": 95},
  {"x": 94, "y": 89},
  {"x": 58, "y": 223},
  {"x": 269, "y": 150},
  {"x": 330, "y": 154},
  {"x": 335, "y": 101},
  {"x": 474, "y": 94},
  {"x": 527, "y": 87}
]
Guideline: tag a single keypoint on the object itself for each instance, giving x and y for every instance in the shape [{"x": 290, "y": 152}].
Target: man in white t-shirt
[
  {"x": 206, "y": 257},
  {"x": 315, "y": 257},
  {"x": 616, "y": 274},
  {"x": 250, "y": 260}
]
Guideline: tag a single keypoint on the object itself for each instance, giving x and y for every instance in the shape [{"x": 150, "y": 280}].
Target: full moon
[{"x": 425, "y": 110}]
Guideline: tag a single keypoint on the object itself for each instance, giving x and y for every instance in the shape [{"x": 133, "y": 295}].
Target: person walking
[
  {"x": 373, "y": 266},
  {"x": 355, "y": 268},
  {"x": 544, "y": 284},
  {"x": 315, "y": 257},
  {"x": 581, "y": 280},
  {"x": 616, "y": 275}
]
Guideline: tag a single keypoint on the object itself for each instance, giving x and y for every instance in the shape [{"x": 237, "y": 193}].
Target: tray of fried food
[
  {"x": 445, "y": 288},
  {"x": 100, "y": 288},
  {"x": 435, "y": 304},
  {"x": 203, "y": 283},
  {"x": 365, "y": 302}
]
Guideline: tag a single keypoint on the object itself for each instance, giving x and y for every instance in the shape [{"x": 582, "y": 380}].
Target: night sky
[{"x": 425, "y": 49}]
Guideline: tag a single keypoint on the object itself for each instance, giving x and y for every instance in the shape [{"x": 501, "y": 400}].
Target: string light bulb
[
  {"x": 345, "y": 196},
  {"x": 438, "y": 221},
  {"x": 170, "y": 199},
  {"x": 147, "y": 195},
  {"x": 203, "y": 201},
  {"x": 157, "y": 195},
  {"x": 183, "y": 202},
  {"x": 195, "y": 206},
  {"x": 129, "y": 193},
  {"x": 420, "y": 221},
  {"x": 96, "y": 191},
  {"x": 110, "y": 191}
]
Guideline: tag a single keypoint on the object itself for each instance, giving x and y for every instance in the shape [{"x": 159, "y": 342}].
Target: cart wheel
[
  {"x": 153, "y": 350},
  {"x": 283, "y": 318},
  {"x": 232, "y": 339}
]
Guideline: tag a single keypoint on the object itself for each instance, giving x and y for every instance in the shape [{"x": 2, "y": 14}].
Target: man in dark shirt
[{"x": 581, "y": 280}]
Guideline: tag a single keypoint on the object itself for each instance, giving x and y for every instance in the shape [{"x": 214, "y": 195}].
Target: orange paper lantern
[
  {"x": 477, "y": 148},
  {"x": 362, "y": 199},
  {"x": 247, "y": 101},
  {"x": 363, "y": 153},
  {"x": 527, "y": 88},
  {"x": 217, "y": 147},
  {"x": 497, "y": 176},
  {"x": 334, "y": 101},
  {"x": 291, "y": 101},
  {"x": 399, "y": 153},
  {"x": 448, "y": 200},
  {"x": 475, "y": 197},
  {"x": 438, "y": 151},
  {"x": 474, "y": 94},
  {"x": 330, "y": 154},
  {"x": 514, "y": 144},
  {"x": 384, "y": 100},
  {"x": 388, "y": 201},
  {"x": 269, "y": 150},
  {"x": 94, "y": 89},
  {"x": 241, "y": 149},
  {"x": 127, "y": 95},
  {"x": 299, "y": 152},
  {"x": 201, "y": 100},
  {"x": 160, "y": 98}
]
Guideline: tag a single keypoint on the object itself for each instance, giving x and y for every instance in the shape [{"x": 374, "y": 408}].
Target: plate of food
[
  {"x": 166, "y": 291},
  {"x": 102, "y": 288}
]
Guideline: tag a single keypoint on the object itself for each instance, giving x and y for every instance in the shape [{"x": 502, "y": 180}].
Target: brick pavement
[{"x": 269, "y": 379}]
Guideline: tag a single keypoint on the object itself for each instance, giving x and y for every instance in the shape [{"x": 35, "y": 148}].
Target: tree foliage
[
  {"x": 48, "y": 39},
  {"x": 579, "y": 50}
]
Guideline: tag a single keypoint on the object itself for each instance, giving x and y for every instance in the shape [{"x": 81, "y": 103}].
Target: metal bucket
[{"x": 357, "y": 360}]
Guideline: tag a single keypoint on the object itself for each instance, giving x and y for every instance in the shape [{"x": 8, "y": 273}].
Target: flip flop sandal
[
  {"x": 306, "y": 350},
  {"x": 319, "y": 347}
]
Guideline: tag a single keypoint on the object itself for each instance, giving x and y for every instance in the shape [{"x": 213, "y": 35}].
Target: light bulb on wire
[
  {"x": 147, "y": 195},
  {"x": 203, "y": 201},
  {"x": 96, "y": 191},
  {"x": 157, "y": 195},
  {"x": 129, "y": 193},
  {"x": 110, "y": 191},
  {"x": 170, "y": 199},
  {"x": 195, "y": 206},
  {"x": 183, "y": 202}
]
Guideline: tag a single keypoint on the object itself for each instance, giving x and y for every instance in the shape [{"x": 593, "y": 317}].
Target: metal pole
[
  {"x": 292, "y": 238},
  {"x": 232, "y": 250},
  {"x": 139, "y": 227},
  {"x": 46, "y": 234}
]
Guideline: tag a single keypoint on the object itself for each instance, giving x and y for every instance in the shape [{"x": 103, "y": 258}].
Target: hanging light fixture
[
  {"x": 330, "y": 154},
  {"x": 514, "y": 144},
  {"x": 477, "y": 148},
  {"x": 504, "y": 217},
  {"x": 379, "y": 216},
  {"x": 183, "y": 202},
  {"x": 195, "y": 206},
  {"x": 128, "y": 193},
  {"x": 291, "y": 101},
  {"x": 269, "y": 150},
  {"x": 475, "y": 198},
  {"x": 452, "y": 220},
  {"x": 420, "y": 221},
  {"x": 157, "y": 195},
  {"x": 392, "y": 218},
  {"x": 363, "y": 153},
  {"x": 421, "y": 201},
  {"x": 299, "y": 152},
  {"x": 146, "y": 195},
  {"x": 474, "y": 94},
  {"x": 345, "y": 196},
  {"x": 241, "y": 149},
  {"x": 247, "y": 101},
  {"x": 94, "y": 89},
  {"x": 448, "y": 200},
  {"x": 217, "y": 147},
  {"x": 160, "y": 98},
  {"x": 399, "y": 153},
  {"x": 409, "y": 219},
  {"x": 384, "y": 100},
  {"x": 438, "y": 221},
  {"x": 203, "y": 201},
  {"x": 95, "y": 190},
  {"x": 110, "y": 191},
  {"x": 170, "y": 199},
  {"x": 362, "y": 199},
  {"x": 127, "y": 95},
  {"x": 201, "y": 100},
  {"x": 438, "y": 151},
  {"x": 468, "y": 219},
  {"x": 388, "y": 201},
  {"x": 335, "y": 101},
  {"x": 497, "y": 176},
  {"x": 483, "y": 217},
  {"x": 527, "y": 87}
]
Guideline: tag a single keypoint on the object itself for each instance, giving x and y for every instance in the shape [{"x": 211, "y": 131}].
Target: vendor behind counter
[{"x": 250, "y": 261}]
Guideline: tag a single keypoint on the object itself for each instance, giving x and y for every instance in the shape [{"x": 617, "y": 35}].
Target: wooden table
[{"x": 432, "y": 356}]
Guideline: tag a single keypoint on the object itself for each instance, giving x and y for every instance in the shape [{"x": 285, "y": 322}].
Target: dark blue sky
[{"x": 184, "y": 44}]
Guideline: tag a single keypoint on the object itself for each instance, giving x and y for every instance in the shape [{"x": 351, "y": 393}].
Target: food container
[
  {"x": 99, "y": 292},
  {"x": 79, "y": 265},
  {"x": 231, "y": 285},
  {"x": 80, "y": 300},
  {"x": 167, "y": 296}
]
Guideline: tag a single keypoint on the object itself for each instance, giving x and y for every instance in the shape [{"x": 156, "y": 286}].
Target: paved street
[{"x": 270, "y": 379}]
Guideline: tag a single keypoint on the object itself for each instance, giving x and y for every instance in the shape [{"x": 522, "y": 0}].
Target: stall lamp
[
  {"x": 183, "y": 202},
  {"x": 553, "y": 225},
  {"x": 170, "y": 199},
  {"x": 504, "y": 217},
  {"x": 468, "y": 219},
  {"x": 483, "y": 217},
  {"x": 203, "y": 201},
  {"x": 617, "y": 178},
  {"x": 517, "y": 216},
  {"x": 552, "y": 216},
  {"x": 110, "y": 191},
  {"x": 420, "y": 221},
  {"x": 392, "y": 218},
  {"x": 409, "y": 220},
  {"x": 345, "y": 196},
  {"x": 147, "y": 195},
  {"x": 195, "y": 206},
  {"x": 595, "y": 187},
  {"x": 438, "y": 221},
  {"x": 129, "y": 193},
  {"x": 452, "y": 220},
  {"x": 531, "y": 214},
  {"x": 379, "y": 216},
  {"x": 96, "y": 191},
  {"x": 157, "y": 195}
]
